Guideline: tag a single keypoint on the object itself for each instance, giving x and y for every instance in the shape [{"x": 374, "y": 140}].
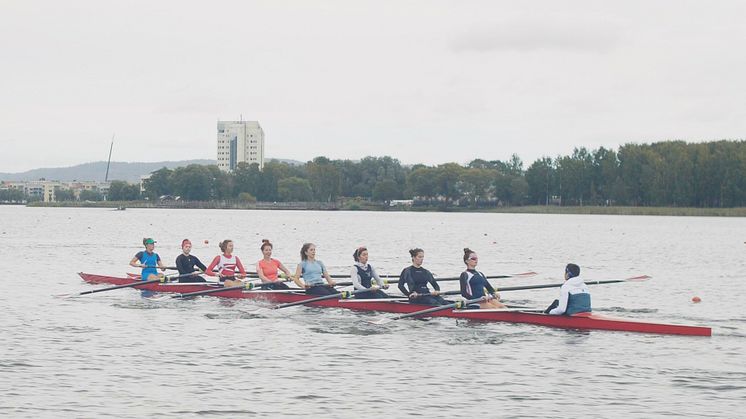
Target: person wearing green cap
[{"x": 148, "y": 260}]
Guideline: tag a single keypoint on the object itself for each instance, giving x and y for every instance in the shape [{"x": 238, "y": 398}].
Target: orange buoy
[{"x": 696, "y": 299}]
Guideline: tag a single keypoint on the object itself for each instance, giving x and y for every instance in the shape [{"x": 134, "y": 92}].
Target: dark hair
[
  {"x": 265, "y": 242},
  {"x": 224, "y": 244},
  {"x": 572, "y": 269},
  {"x": 415, "y": 251},
  {"x": 467, "y": 252},
  {"x": 358, "y": 252},
  {"x": 304, "y": 249}
]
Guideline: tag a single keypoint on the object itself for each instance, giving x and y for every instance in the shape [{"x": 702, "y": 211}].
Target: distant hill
[{"x": 130, "y": 172}]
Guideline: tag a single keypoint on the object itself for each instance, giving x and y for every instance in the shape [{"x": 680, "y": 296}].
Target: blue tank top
[
  {"x": 312, "y": 272},
  {"x": 148, "y": 260}
]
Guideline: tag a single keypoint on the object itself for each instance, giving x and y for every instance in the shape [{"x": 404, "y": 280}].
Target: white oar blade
[
  {"x": 64, "y": 296},
  {"x": 531, "y": 273},
  {"x": 381, "y": 321},
  {"x": 260, "y": 310}
]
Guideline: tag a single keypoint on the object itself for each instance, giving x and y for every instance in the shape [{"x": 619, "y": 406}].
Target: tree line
[{"x": 671, "y": 173}]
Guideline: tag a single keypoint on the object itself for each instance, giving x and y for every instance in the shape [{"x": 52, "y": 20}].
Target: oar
[
  {"x": 116, "y": 287},
  {"x": 640, "y": 278},
  {"x": 457, "y": 304},
  {"x": 246, "y": 286},
  {"x": 342, "y": 295},
  {"x": 523, "y": 274}
]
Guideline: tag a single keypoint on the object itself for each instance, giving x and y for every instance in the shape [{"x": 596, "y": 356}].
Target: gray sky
[{"x": 423, "y": 81}]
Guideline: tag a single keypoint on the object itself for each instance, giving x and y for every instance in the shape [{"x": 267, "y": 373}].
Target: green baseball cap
[{"x": 148, "y": 241}]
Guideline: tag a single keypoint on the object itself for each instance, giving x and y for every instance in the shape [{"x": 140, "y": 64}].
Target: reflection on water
[{"x": 118, "y": 354}]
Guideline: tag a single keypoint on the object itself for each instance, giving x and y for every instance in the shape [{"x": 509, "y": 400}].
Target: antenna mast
[{"x": 106, "y": 179}]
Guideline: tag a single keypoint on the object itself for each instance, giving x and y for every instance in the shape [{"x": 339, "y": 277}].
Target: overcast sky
[{"x": 423, "y": 81}]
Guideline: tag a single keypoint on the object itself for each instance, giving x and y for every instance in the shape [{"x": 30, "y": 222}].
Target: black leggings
[
  {"x": 275, "y": 286},
  {"x": 192, "y": 278},
  {"x": 366, "y": 295},
  {"x": 321, "y": 290},
  {"x": 431, "y": 300}
]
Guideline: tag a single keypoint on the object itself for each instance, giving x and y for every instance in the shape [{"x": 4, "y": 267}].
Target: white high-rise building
[{"x": 240, "y": 141}]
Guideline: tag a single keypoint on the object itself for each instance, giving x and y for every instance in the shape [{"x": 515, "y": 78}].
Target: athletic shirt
[
  {"x": 417, "y": 280},
  {"x": 227, "y": 266},
  {"x": 574, "y": 298},
  {"x": 269, "y": 268},
  {"x": 148, "y": 259},
  {"x": 185, "y": 264},
  {"x": 362, "y": 276},
  {"x": 312, "y": 272},
  {"x": 473, "y": 283}
]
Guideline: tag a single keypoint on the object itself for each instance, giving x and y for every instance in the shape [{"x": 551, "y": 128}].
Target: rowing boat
[{"x": 582, "y": 321}]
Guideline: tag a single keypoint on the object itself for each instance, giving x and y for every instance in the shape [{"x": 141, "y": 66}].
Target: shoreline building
[{"x": 240, "y": 141}]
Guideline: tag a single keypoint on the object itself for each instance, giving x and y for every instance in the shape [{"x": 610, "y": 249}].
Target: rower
[
  {"x": 229, "y": 266},
  {"x": 473, "y": 283},
  {"x": 186, "y": 262},
  {"x": 574, "y": 294},
  {"x": 416, "y": 278},
  {"x": 148, "y": 260},
  {"x": 267, "y": 269},
  {"x": 362, "y": 275},
  {"x": 313, "y": 272}
]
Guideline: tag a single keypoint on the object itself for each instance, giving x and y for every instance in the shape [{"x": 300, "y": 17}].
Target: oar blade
[
  {"x": 381, "y": 321},
  {"x": 258, "y": 311},
  {"x": 529, "y": 273},
  {"x": 640, "y": 278}
]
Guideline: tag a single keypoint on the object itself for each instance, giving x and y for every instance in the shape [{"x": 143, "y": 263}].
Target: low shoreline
[{"x": 366, "y": 206}]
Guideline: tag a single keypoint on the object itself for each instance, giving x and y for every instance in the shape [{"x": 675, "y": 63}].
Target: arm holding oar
[
  {"x": 148, "y": 260},
  {"x": 186, "y": 263},
  {"x": 313, "y": 272},
  {"x": 363, "y": 274},
  {"x": 267, "y": 268},
  {"x": 473, "y": 283}
]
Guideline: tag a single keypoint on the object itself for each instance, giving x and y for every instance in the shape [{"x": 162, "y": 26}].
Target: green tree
[
  {"x": 123, "y": 191},
  {"x": 11, "y": 195},
  {"x": 63, "y": 194},
  {"x": 246, "y": 178},
  {"x": 294, "y": 189},
  {"x": 90, "y": 195},
  {"x": 385, "y": 191},
  {"x": 324, "y": 178},
  {"x": 159, "y": 183},
  {"x": 477, "y": 184}
]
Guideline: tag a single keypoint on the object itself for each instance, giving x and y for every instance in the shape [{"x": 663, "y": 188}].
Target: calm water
[{"x": 119, "y": 355}]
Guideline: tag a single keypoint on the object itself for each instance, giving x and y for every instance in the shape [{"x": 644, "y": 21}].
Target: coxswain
[
  {"x": 414, "y": 279},
  {"x": 474, "y": 284},
  {"x": 229, "y": 267},
  {"x": 363, "y": 274},
  {"x": 187, "y": 262},
  {"x": 267, "y": 269},
  {"x": 148, "y": 260},
  {"x": 313, "y": 272},
  {"x": 574, "y": 295}
]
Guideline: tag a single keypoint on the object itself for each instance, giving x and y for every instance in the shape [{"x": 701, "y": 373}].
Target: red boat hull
[{"x": 585, "y": 321}]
